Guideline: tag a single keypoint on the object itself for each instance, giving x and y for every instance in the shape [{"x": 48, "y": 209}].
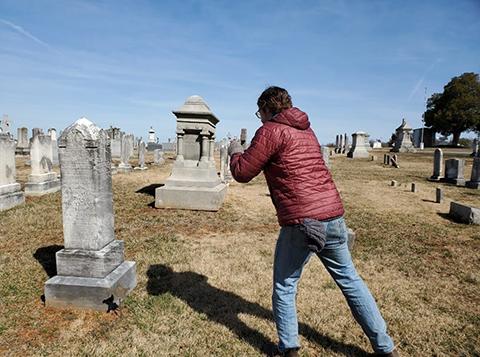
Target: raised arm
[{"x": 245, "y": 166}]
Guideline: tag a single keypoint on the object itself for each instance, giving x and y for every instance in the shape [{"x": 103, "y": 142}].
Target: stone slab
[
  {"x": 140, "y": 168},
  {"x": 90, "y": 263},
  {"x": 464, "y": 213},
  {"x": 91, "y": 293},
  {"x": 10, "y": 188},
  {"x": 192, "y": 198},
  {"x": 42, "y": 188},
  {"x": 10, "y": 200}
]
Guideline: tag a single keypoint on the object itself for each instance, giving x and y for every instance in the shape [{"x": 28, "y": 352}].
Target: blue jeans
[{"x": 291, "y": 255}]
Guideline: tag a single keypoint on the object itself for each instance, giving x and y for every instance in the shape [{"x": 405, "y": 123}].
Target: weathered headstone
[
  {"x": 115, "y": 135},
  {"x": 394, "y": 161},
  {"x": 36, "y": 131},
  {"x": 403, "y": 142},
  {"x": 10, "y": 191},
  {"x": 346, "y": 145},
  {"x": 5, "y": 125},
  {"x": 325, "y": 156},
  {"x": 42, "y": 180},
  {"x": 475, "y": 177},
  {"x": 53, "y": 135},
  {"x": 23, "y": 145},
  {"x": 141, "y": 156},
  {"x": 158, "y": 157},
  {"x": 377, "y": 145},
  {"x": 126, "y": 153},
  {"x": 194, "y": 183},
  {"x": 475, "y": 150},
  {"x": 92, "y": 272},
  {"x": 243, "y": 138},
  {"x": 437, "y": 165},
  {"x": 464, "y": 214},
  {"x": 358, "y": 149},
  {"x": 223, "y": 161},
  {"x": 337, "y": 143},
  {"x": 454, "y": 171},
  {"x": 341, "y": 149}
]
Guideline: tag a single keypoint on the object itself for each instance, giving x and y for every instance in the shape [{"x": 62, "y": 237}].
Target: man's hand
[{"x": 234, "y": 148}]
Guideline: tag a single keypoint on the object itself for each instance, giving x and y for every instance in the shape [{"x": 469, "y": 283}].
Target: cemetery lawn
[{"x": 204, "y": 278}]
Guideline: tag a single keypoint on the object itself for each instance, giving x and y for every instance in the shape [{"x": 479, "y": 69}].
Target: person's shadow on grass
[{"x": 224, "y": 307}]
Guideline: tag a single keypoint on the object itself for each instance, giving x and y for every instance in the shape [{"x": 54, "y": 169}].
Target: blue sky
[{"x": 351, "y": 65}]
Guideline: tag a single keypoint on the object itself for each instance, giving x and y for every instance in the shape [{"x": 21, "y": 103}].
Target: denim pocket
[{"x": 337, "y": 231}]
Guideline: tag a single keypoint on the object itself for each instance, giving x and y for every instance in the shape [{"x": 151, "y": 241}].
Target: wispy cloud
[
  {"x": 22, "y": 31},
  {"x": 421, "y": 80}
]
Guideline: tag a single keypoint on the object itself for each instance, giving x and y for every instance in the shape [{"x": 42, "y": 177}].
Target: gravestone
[
  {"x": 5, "y": 125},
  {"x": 36, "y": 131},
  {"x": 152, "y": 142},
  {"x": 454, "y": 171},
  {"x": 126, "y": 153},
  {"x": 346, "y": 144},
  {"x": 377, "y": 145},
  {"x": 464, "y": 213},
  {"x": 141, "y": 156},
  {"x": 337, "y": 143},
  {"x": 115, "y": 135},
  {"x": 325, "y": 155},
  {"x": 10, "y": 191},
  {"x": 43, "y": 179},
  {"x": 475, "y": 177},
  {"x": 341, "y": 149},
  {"x": 358, "y": 149},
  {"x": 243, "y": 138},
  {"x": 158, "y": 157},
  {"x": 23, "y": 145},
  {"x": 53, "y": 135},
  {"x": 438, "y": 195},
  {"x": 223, "y": 161},
  {"x": 403, "y": 142},
  {"x": 475, "y": 150},
  {"x": 91, "y": 270},
  {"x": 437, "y": 165},
  {"x": 194, "y": 183}
]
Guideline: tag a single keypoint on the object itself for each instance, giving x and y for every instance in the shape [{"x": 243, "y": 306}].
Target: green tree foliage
[{"x": 457, "y": 109}]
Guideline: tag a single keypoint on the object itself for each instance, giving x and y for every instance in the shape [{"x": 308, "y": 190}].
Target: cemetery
[
  {"x": 150, "y": 278},
  {"x": 205, "y": 178}
]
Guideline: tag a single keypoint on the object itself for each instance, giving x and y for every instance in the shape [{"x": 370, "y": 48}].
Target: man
[{"x": 310, "y": 213}]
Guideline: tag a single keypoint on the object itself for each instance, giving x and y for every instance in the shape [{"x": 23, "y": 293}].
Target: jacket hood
[{"x": 293, "y": 117}]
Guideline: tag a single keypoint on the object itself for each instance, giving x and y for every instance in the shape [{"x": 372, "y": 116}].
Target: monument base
[
  {"x": 473, "y": 184},
  {"x": 42, "y": 188},
  {"x": 22, "y": 151},
  {"x": 122, "y": 168},
  {"x": 192, "y": 198},
  {"x": 456, "y": 182},
  {"x": 140, "y": 168},
  {"x": 358, "y": 155},
  {"x": 435, "y": 178},
  {"x": 11, "y": 196},
  {"x": 101, "y": 294}
]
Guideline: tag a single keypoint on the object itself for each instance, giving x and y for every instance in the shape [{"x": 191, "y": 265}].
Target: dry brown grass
[{"x": 204, "y": 278}]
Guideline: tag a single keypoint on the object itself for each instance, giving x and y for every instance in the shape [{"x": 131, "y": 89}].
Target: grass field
[{"x": 204, "y": 278}]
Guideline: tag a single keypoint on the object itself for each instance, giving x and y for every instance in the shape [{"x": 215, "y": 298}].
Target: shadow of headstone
[
  {"x": 150, "y": 189},
  {"x": 46, "y": 257}
]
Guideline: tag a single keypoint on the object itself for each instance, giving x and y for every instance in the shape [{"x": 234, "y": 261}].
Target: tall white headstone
[
  {"x": 92, "y": 272},
  {"x": 43, "y": 179},
  {"x": 10, "y": 191}
]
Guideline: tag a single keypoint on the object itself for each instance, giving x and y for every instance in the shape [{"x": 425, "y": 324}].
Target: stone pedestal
[
  {"x": 403, "y": 142},
  {"x": 194, "y": 183},
  {"x": 475, "y": 177},
  {"x": 10, "y": 191},
  {"x": 92, "y": 273},
  {"x": 42, "y": 179},
  {"x": 358, "y": 149}
]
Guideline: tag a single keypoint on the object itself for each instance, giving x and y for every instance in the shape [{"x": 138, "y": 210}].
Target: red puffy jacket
[{"x": 288, "y": 152}]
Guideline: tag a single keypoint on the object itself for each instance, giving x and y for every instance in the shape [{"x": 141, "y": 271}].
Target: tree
[{"x": 457, "y": 109}]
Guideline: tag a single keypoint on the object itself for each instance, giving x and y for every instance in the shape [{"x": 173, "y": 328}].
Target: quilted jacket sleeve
[{"x": 264, "y": 145}]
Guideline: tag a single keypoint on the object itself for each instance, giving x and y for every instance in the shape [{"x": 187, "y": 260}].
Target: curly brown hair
[{"x": 275, "y": 99}]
